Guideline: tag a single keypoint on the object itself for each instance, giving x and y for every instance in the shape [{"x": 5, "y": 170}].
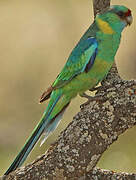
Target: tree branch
[
  {"x": 101, "y": 174},
  {"x": 99, "y": 123},
  {"x": 99, "y": 5}
]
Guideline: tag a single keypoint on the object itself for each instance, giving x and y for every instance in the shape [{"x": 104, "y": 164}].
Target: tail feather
[
  {"x": 53, "y": 124},
  {"x": 46, "y": 125},
  {"x": 26, "y": 149}
]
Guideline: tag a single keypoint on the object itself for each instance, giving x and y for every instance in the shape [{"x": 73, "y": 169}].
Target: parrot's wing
[{"x": 81, "y": 59}]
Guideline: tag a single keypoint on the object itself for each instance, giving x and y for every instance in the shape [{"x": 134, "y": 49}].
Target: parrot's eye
[{"x": 120, "y": 14}]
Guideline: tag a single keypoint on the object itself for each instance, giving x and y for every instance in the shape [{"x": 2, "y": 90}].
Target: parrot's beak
[{"x": 129, "y": 20}]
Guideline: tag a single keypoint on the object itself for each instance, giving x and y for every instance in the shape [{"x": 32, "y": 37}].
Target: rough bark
[
  {"x": 100, "y": 5},
  {"x": 99, "y": 123}
]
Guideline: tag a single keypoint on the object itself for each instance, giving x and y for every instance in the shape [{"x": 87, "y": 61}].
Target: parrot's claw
[
  {"x": 95, "y": 88},
  {"x": 86, "y": 96},
  {"x": 98, "y": 88},
  {"x": 90, "y": 98}
]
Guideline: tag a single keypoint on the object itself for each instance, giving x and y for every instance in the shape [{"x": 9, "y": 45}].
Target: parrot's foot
[
  {"x": 100, "y": 88},
  {"x": 96, "y": 88},
  {"x": 90, "y": 98},
  {"x": 86, "y": 96}
]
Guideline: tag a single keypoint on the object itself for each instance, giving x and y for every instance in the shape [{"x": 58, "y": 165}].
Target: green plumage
[{"x": 87, "y": 65}]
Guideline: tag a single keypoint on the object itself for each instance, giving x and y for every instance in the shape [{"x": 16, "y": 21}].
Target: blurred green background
[{"x": 36, "y": 38}]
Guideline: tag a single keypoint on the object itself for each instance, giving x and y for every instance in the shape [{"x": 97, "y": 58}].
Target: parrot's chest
[
  {"x": 88, "y": 80},
  {"x": 108, "y": 46}
]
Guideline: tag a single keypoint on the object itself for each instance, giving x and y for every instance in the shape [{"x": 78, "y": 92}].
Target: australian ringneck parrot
[{"x": 87, "y": 65}]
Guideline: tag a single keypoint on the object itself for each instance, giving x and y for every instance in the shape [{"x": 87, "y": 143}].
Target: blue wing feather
[
  {"x": 81, "y": 59},
  {"x": 91, "y": 61}
]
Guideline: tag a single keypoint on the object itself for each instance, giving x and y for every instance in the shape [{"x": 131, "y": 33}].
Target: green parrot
[{"x": 87, "y": 65}]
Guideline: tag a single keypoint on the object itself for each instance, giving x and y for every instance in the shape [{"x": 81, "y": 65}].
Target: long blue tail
[{"x": 46, "y": 125}]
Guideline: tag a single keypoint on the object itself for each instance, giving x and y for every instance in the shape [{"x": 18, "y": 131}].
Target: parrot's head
[{"x": 115, "y": 17}]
